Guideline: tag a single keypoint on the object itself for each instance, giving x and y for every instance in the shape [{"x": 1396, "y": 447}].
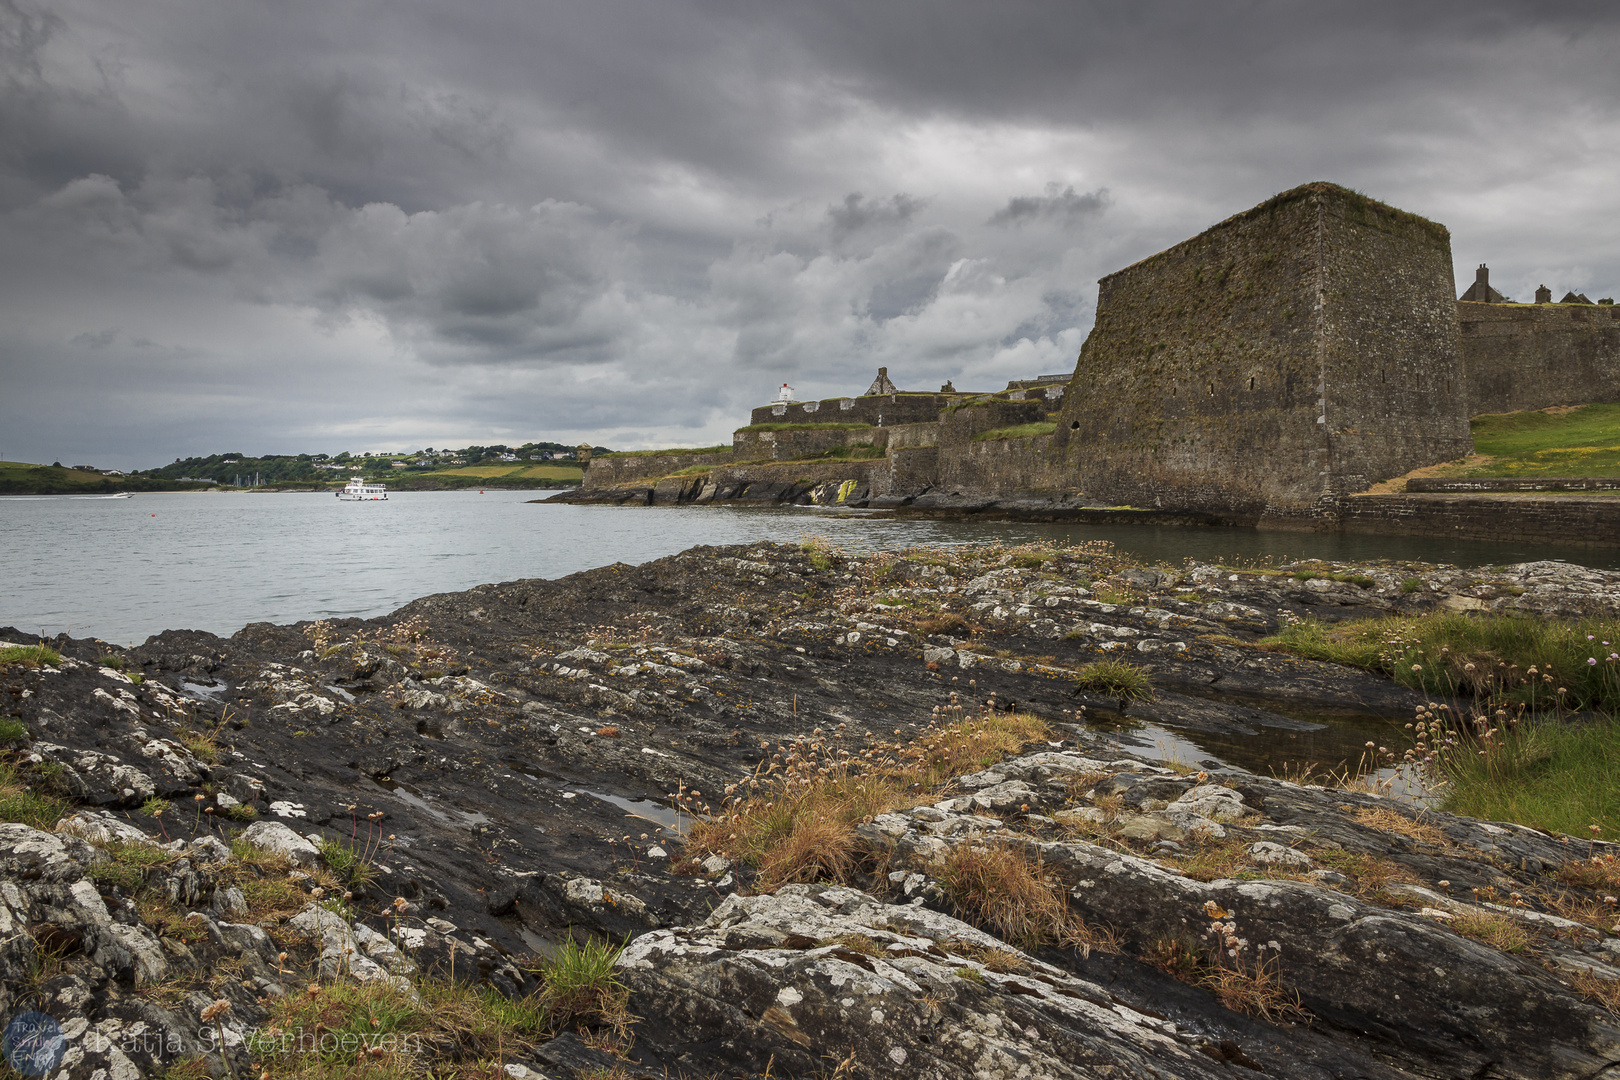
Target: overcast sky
[{"x": 275, "y": 226}]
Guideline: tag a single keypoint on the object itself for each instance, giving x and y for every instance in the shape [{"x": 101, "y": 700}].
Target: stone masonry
[{"x": 1298, "y": 352}]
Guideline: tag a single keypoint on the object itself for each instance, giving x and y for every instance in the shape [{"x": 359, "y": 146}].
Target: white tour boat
[{"x": 360, "y": 491}]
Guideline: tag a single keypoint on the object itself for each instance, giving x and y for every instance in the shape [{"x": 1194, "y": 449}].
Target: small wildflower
[{"x": 217, "y": 1009}]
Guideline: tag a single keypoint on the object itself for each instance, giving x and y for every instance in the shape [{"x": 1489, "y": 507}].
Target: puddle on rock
[
  {"x": 1340, "y": 744},
  {"x": 430, "y": 806},
  {"x": 647, "y": 810},
  {"x": 205, "y": 691}
]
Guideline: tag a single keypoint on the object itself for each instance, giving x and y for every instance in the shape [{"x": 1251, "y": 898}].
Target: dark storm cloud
[
  {"x": 1064, "y": 208},
  {"x": 629, "y": 220}
]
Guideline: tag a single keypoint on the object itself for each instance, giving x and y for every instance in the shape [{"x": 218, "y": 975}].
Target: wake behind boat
[{"x": 358, "y": 490}]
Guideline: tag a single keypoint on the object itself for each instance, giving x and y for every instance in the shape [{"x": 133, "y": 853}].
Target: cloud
[
  {"x": 633, "y": 219},
  {"x": 856, "y": 215},
  {"x": 1062, "y": 207}
]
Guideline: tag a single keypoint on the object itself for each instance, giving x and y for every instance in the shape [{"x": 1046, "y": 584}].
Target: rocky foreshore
[{"x": 449, "y": 794}]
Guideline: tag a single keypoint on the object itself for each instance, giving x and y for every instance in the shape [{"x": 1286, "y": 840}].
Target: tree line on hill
[{"x": 239, "y": 469}]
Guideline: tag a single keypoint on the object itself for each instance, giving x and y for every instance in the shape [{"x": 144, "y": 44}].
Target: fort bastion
[{"x": 1260, "y": 372}]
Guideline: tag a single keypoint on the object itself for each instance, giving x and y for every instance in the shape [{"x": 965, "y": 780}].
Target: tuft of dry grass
[
  {"x": 997, "y": 887},
  {"x": 1498, "y": 931},
  {"x": 1001, "y": 961},
  {"x": 1387, "y": 820},
  {"x": 1253, "y": 988},
  {"x": 1605, "y": 992},
  {"x": 1081, "y": 784},
  {"x": 1256, "y": 990},
  {"x": 1595, "y": 912},
  {"x": 1371, "y": 874},
  {"x": 794, "y": 819},
  {"x": 1600, "y": 873},
  {"x": 815, "y": 849}
]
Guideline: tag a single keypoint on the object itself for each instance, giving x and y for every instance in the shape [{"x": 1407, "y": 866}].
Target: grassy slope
[
  {"x": 517, "y": 475},
  {"x": 21, "y": 478},
  {"x": 1577, "y": 442}
]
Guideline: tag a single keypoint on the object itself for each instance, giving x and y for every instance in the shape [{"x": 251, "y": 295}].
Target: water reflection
[{"x": 1338, "y": 747}]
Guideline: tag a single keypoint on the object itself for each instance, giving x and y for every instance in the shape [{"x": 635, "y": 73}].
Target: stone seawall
[
  {"x": 1561, "y": 519},
  {"x": 1461, "y": 485},
  {"x": 1533, "y": 356}
]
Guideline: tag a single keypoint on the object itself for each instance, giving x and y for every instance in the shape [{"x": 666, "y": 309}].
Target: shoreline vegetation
[
  {"x": 1523, "y": 721},
  {"x": 22, "y": 478}
]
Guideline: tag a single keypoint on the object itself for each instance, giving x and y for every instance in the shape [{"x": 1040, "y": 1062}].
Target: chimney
[
  {"x": 1543, "y": 295},
  {"x": 1483, "y": 275}
]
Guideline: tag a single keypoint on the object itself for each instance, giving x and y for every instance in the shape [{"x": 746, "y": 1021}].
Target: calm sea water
[{"x": 124, "y": 569}]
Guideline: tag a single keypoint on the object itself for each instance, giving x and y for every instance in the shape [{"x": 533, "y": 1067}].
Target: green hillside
[
  {"x": 1582, "y": 441},
  {"x": 22, "y": 478}
]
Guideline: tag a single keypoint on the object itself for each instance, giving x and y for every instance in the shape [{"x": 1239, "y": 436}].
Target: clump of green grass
[
  {"x": 202, "y": 744},
  {"x": 12, "y": 728},
  {"x": 128, "y": 864},
  {"x": 1116, "y": 679},
  {"x": 111, "y": 660},
  {"x": 581, "y": 986},
  {"x": 820, "y": 553},
  {"x": 1548, "y": 774},
  {"x": 26, "y": 805},
  {"x": 347, "y": 863},
  {"x": 1411, "y": 585},
  {"x": 30, "y": 655},
  {"x": 1507, "y": 657}
]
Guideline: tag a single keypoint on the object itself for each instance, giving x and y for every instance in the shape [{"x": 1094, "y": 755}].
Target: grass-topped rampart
[
  {"x": 1018, "y": 431},
  {"x": 782, "y": 426}
]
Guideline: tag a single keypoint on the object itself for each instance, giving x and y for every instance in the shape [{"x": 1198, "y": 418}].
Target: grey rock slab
[
  {"x": 276, "y": 837},
  {"x": 768, "y": 978}
]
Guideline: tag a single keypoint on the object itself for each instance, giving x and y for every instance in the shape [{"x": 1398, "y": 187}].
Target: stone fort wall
[
  {"x": 873, "y": 410},
  {"x": 1304, "y": 349},
  {"x": 1532, "y": 356}
]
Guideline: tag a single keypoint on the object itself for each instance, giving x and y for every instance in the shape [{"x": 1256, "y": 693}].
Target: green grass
[
  {"x": 346, "y": 863},
  {"x": 128, "y": 864},
  {"x": 1116, "y": 679},
  {"x": 581, "y": 984},
  {"x": 1017, "y": 431},
  {"x": 672, "y": 450},
  {"x": 511, "y": 471},
  {"x": 1581, "y": 442},
  {"x": 11, "y": 728},
  {"x": 27, "y": 807},
  {"x": 1563, "y": 777},
  {"x": 30, "y": 655},
  {"x": 1506, "y": 658}
]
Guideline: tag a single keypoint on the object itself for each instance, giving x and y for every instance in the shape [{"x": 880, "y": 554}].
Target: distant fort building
[
  {"x": 1262, "y": 371},
  {"x": 1480, "y": 292}
]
